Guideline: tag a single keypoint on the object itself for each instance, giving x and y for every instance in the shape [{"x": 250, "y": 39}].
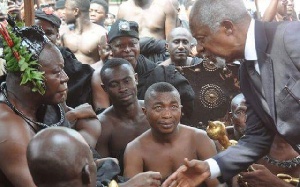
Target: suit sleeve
[{"x": 251, "y": 147}]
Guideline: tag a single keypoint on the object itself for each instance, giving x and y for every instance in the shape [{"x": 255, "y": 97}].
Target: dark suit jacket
[{"x": 273, "y": 97}]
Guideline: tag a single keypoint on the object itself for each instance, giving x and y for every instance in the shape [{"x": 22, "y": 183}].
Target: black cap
[
  {"x": 123, "y": 28},
  {"x": 47, "y": 14},
  {"x": 60, "y": 4}
]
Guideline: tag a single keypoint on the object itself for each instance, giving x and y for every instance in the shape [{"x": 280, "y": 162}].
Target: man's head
[
  {"x": 179, "y": 45},
  {"x": 119, "y": 81},
  {"x": 98, "y": 11},
  {"x": 238, "y": 114},
  {"x": 162, "y": 107},
  {"x": 60, "y": 9},
  {"x": 49, "y": 22},
  {"x": 123, "y": 39},
  {"x": 76, "y": 8},
  {"x": 285, "y": 7},
  {"x": 59, "y": 156},
  {"x": 36, "y": 65},
  {"x": 220, "y": 28}
]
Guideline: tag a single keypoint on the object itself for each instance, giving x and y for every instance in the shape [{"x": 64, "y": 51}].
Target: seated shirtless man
[
  {"x": 29, "y": 101},
  {"x": 51, "y": 162},
  {"x": 164, "y": 147},
  {"x": 124, "y": 120},
  {"x": 84, "y": 39}
]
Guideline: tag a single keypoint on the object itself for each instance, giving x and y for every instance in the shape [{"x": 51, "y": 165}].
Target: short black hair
[
  {"x": 160, "y": 87},
  {"x": 102, "y": 3},
  {"x": 111, "y": 63},
  {"x": 82, "y": 5}
]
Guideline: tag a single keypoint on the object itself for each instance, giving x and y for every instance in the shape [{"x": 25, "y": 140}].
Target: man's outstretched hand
[{"x": 191, "y": 174}]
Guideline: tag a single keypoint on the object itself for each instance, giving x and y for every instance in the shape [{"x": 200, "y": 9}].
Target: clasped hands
[{"x": 191, "y": 174}]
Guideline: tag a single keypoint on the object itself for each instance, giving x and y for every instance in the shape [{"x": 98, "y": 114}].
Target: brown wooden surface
[{"x": 29, "y": 12}]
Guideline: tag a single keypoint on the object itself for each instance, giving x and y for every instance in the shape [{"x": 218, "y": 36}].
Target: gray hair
[{"x": 211, "y": 13}]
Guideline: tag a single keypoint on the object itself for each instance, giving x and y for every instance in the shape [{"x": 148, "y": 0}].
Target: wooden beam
[{"x": 29, "y": 12}]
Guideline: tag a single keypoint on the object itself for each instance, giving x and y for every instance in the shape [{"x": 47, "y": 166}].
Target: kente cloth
[
  {"x": 79, "y": 84},
  {"x": 150, "y": 73},
  {"x": 153, "y": 49}
]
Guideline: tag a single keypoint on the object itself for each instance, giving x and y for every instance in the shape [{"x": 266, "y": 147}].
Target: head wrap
[
  {"x": 47, "y": 15},
  {"x": 22, "y": 47},
  {"x": 123, "y": 28}
]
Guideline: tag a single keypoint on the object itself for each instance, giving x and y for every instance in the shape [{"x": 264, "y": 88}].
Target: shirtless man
[
  {"x": 156, "y": 18},
  {"x": 179, "y": 46},
  {"x": 26, "y": 109},
  {"x": 83, "y": 41},
  {"x": 50, "y": 170},
  {"x": 124, "y": 120},
  {"x": 163, "y": 147}
]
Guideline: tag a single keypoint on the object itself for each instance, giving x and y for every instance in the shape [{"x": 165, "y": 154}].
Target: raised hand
[
  {"x": 262, "y": 177},
  {"x": 193, "y": 173}
]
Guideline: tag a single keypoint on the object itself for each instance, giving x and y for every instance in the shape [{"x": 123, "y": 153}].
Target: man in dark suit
[{"x": 269, "y": 79}]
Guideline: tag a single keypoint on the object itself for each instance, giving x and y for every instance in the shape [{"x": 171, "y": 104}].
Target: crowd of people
[{"x": 94, "y": 98}]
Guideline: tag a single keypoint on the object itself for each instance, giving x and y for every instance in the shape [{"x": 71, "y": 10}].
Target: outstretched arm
[{"x": 191, "y": 174}]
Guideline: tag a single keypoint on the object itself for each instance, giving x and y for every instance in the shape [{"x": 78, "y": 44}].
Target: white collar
[{"x": 250, "y": 50}]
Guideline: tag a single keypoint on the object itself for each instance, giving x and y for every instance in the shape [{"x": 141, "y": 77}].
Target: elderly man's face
[{"x": 127, "y": 48}]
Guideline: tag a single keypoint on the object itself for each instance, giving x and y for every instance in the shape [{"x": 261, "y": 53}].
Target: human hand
[
  {"x": 262, "y": 177},
  {"x": 80, "y": 112},
  {"x": 145, "y": 179},
  {"x": 191, "y": 174}
]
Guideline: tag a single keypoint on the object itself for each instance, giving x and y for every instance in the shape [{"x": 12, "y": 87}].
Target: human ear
[
  {"x": 86, "y": 175},
  {"x": 227, "y": 25},
  {"x": 144, "y": 110},
  {"x": 103, "y": 87},
  {"x": 136, "y": 78}
]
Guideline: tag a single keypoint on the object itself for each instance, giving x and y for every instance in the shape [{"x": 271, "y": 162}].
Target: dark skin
[
  {"x": 15, "y": 133},
  {"x": 164, "y": 147},
  {"x": 61, "y": 170},
  {"x": 123, "y": 121},
  {"x": 83, "y": 118},
  {"x": 179, "y": 47}
]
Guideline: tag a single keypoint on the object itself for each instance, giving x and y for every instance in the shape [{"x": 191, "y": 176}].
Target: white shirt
[{"x": 250, "y": 54}]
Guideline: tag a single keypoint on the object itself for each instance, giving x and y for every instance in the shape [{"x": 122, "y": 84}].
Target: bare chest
[{"x": 167, "y": 160}]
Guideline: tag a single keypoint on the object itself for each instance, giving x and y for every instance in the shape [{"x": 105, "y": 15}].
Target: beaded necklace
[
  {"x": 283, "y": 164},
  {"x": 28, "y": 120}
]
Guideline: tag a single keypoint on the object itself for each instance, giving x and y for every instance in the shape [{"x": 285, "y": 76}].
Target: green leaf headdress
[{"x": 22, "y": 47}]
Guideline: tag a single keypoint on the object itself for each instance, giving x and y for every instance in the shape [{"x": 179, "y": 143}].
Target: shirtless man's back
[
  {"x": 83, "y": 41},
  {"x": 156, "y": 18}
]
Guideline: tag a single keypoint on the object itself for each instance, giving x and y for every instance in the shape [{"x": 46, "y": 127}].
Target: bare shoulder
[
  {"x": 13, "y": 129},
  {"x": 107, "y": 116},
  {"x": 193, "y": 132},
  {"x": 141, "y": 141}
]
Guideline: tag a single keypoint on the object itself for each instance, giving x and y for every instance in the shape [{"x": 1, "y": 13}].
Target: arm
[
  {"x": 14, "y": 138},
  {"x": 270, "y": 11},
  {"x": 102, "y": 146},
  {"x": 171, "y": 18},
  {"x": 133, "y": 161},
  {"x": 85, "y": 122},
  {"x": 206, "y": 149},
  {"x": 100, "y": 97}
]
